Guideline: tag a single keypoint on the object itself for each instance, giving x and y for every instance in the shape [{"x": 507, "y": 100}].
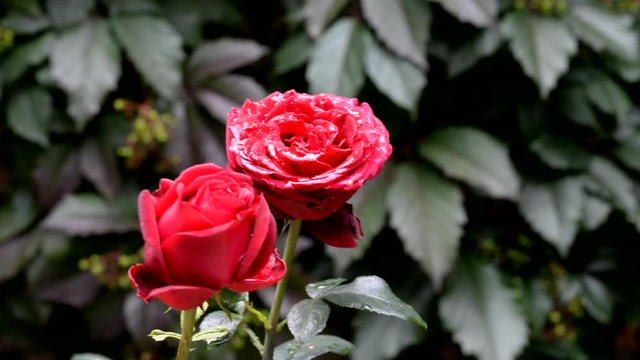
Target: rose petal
[
  {"x": 340, "y": 229},
  {"x": 272, "y": 271},
  {"x": 262, "y": 241},
  {"x": 149, "y": 229},
  {"x": 181, "y": 217}
]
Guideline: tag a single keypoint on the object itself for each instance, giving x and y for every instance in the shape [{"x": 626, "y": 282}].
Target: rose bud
[
  {"x": 308, "y": 154},
  {"x": 203, "y": 232}
]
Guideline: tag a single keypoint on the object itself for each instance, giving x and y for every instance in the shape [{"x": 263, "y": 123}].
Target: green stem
[
  {"x": 187, "y": 322},
  {"x": 281, "y": 289}
]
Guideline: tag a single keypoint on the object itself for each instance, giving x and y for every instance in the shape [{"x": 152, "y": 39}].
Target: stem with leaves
[
  {"x": 281, "y": 289},
  {"x": 187, "y": 323}
]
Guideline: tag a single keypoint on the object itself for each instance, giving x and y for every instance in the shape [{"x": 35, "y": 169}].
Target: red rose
[
  {"x": 203, "y": 232},
  {"x": 307, "y": 153}
]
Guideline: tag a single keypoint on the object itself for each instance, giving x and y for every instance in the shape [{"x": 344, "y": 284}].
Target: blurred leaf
[
  {"x": 98, "y": 164},
  {"x": 596, "y": 298},
  {"x": 155, "y": 49},
  {"x": 140, "y": 318},
  {"x": 629, "y": 154},
  {"x": 222, "y": 93},
  {"x": 56, "y": 173},
  {"x": 221, "y": 56},
  {"x": 615, "y": 184},
  {"x": 553, "y": 210},
  {"x": 370, "y": 206},
  {"x": 381, "y": 338},
  {"x": 336, "y": 60},
  {"x": 319, "y": 289},
  {"x": 480, "y": 13},
  {"x": 536, "y": 303},
  {"x": 594, "y": 212},
  {"x": 119, "y": 7},
  {"x": 14, "y": 254},
  {"x": 216, "y": 328},
  {"x": 398, "y": 80},
  {"x": 293, "y": 53},
  {"x": 481, "y": 313},
  {"x": 76, "y": 290},
  {"x": 161, "y": 335},
  {"x": 475, "y": 157},
  {"x": 23, "y": 56},
  {"x": 372, "y": 293},
  {"x": 85, "y": 63},
  {"x": 604, "y": 29},
  {"x": 483, "y": 45},
  {"x": 25, "y": 23},
  {"x": 88, "y": 214},
  {"x": 318, "y": 14},
  {"x": 607, "y": 95},
  {"x": 312, "y": 348},
  {"x": 68, "y": 12},
  {"x": 560, "y": 153},
  {"x": 629, "y": 70},
  {"x": 402, "y": 25},
  {"x": 574, "y": 104},
  {"x": 307, "y": 318},
  {"x": 29, "y": 114},
  {"x": 543, "y": 46},
  {"x": 89, "y": 356},
  {"x": 427, "y": 212},
  {"x": 16, "y": 214}
]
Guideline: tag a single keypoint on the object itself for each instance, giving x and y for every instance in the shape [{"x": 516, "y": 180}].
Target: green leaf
[
  {"x": 604, "y": 29},
  {"x": 372, "y": 293},
  {"x": 293, "y": 53},
  {"x": 594, "y": 212},
  {"x": 318, "y": 14},
  {"x": 318, "y": 289},
  {"x": 234, "y": 301},
  {"x": 629, "y": 70},
  {"x": 380, "y": 338},
  {"x": 542, "y": 45},
  {"x": 161, "y": 335},
  {"x": 370, "y": 206},
  {"x": 23, "y": 56},
  {"x": 629, "y": 154},
  {"x": 56, "y": 173},
  {"x": 99, "y": 165},
  {"x": 480, "y": 13},
  {"x": 85, "y": 63},
  {"x": 222, "y": 55},
  {"x": 307, "y": 318},
  {"x": 596, "y": 298},
  {"x": 554, "y": 210},
  {"x": 68, "y": 12},
  {"x": 88, "y": 214},
  {"x": 216, "y": 328},
  {"x": 29, "y": 113},
  {"x": 428, "y": 214},
  {"x": 316, "y": 346},
  {"x": 574, "y": 104},
  {"x": 397, "y": 79},
  {"x": 89, "y": 356},
  {"x": 26, "y": 23},
  {"x": 15, "y": 253},
  {"x": 475, "y": 157},
  {"x": 607, "y": 95},
  {"x": 119, "y": 7},
  {"x": 483, "y": 45},
  {"x": 335, "y": 65},
  {"x": 402, "y": 25},
  {"x": 614, "y": 184},
  {"x": 560, "y": 153},
  {"x": 155, "y": 49},
  {"x": 536, "y": 303},
  {"x": 222, "y": 93},
  {"x": 481, "y": 313},
  {"x": 16, "y": 214}
]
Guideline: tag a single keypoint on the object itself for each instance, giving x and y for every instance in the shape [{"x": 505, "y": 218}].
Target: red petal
[
  {"x": 269, "y": 274},
  {"x": 149, "y": 227},
  {"x": 263, "y": 239},
  {"x": 341, "y": 229}
]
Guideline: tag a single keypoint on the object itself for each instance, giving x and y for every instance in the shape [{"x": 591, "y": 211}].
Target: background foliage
[{"x": 508, "y": 216}]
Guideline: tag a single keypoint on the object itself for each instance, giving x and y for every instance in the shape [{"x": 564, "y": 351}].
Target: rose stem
[
  {"x": 281, "y": 289},
  {"x": 187, "y": 322}
]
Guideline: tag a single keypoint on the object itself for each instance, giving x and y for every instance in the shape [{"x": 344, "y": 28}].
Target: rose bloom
[
  {"x": 203, "y": 232},
  {"x": 308, "y": 154}
]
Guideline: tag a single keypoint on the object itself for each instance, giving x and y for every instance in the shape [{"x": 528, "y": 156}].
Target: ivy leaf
[
  {"x": 604, "y": 29},
  {"x": 26, "y": 23},
  {"x": 554, "y": 210},
  {"x": 481, "y": 313},
  {"x": 88, "y": 214},
  {"x": 614, "y": 184},
  {"x": 596, "y": 298},
  {"x": 480, "y": 13},
  {"x": 594, "y": 212},
  {"x": 428, "y": 214},
  {"x": 16, "y": 214},
  {"x": 380, "y": 338},
  {"x": 536, "y": 302},
  {"x": 318, "y": 14},
  {"x": 29, "y": 114},
  {"x": 222, "y": 55},
  {"x": 373, "y": 294},
  {"x": 85, "y": 63},
  {"x": 475, "y": 157},
  {"x": 402, "y": 25},
  {"x": 629, "y": 70},
  {"x": 574, "y": 104},
  {"x": 560, "y": 153},
  {"x": 23, "y": 56},
  {"x": 68, "y": 12},
  {"x": 155, "y": 49},
  {"x": 307, "y": 318},
  {"x": 483, "y": 45},
  {"x": 312, "y": 348},
  {"x": 56, "y": 173},
  {"x": 335, "y": 65},
  {"x": 607, "y": 95},
  {"x": 222, "y": 93},
  {"x": 629, "y": 155},
  {"x": 293, "y": 53},
  {"x": 398, "y": 80},
  {"x": 99, "y": 165},
  {"x": 542, "y": 45}
]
